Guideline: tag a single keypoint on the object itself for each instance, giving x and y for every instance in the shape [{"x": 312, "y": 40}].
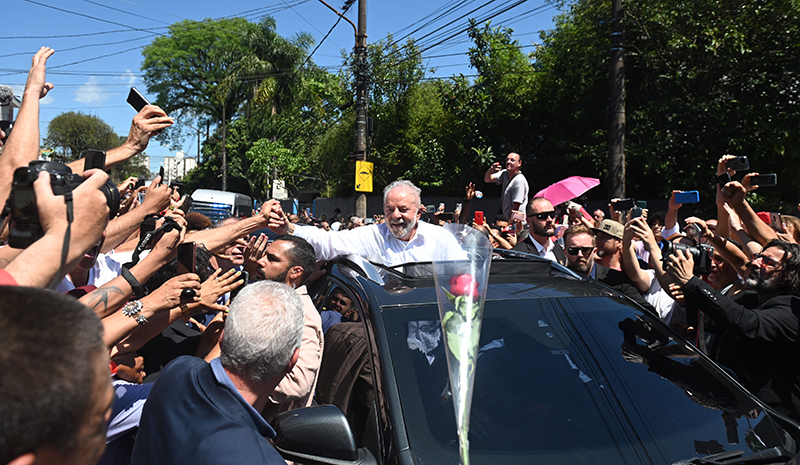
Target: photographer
[
  {"x": 758, "y": 342},
  {"x": 40, "y": 263}
]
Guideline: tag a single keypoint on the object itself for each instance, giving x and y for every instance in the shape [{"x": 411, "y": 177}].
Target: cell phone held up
[
  {"x": 187, "y": 257},
  {"x": 687, "y": 197},
  {"x": 95, "y": 159},
  {"x": 137, "y": 100},
  {"x": 739, "y": 163},
  {"x": 764, "y": 180}
]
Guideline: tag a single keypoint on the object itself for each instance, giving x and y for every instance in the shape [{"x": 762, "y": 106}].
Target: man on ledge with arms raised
[{"x": 401, "y": 239}]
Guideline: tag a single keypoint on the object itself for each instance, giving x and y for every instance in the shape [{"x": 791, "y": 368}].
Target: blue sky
[{"x": 98, "y": 43}]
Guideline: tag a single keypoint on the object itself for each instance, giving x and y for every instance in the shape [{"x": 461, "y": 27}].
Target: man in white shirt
[{"x": 402, "y": 238}]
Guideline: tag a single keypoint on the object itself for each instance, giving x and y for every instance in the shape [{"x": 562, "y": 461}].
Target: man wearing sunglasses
[
  {"x": 579, "y": 244},
  {"x": 541, "y": 217},
  {"x": 759, "y": 344}
]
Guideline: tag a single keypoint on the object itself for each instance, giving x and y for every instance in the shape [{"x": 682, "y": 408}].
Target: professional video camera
[
  {"x": 25, "y": 226},
  {"x": 701, "y": 254}
]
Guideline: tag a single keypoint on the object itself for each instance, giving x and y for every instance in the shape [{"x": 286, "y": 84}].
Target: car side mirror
[{"x": 318, "y": 435}]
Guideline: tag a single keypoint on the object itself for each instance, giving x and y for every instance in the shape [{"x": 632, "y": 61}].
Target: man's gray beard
[
  {"x": 404, "y": 231},
  {"x": 758, "y": 283}
]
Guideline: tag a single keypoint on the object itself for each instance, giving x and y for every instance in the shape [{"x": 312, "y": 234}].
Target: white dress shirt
[{"x": 377, "y": 244}]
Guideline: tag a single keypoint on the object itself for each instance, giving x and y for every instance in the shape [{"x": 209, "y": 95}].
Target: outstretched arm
[
  {"x": 23, "y": 142},
  {"x": 146, "y": 124}
]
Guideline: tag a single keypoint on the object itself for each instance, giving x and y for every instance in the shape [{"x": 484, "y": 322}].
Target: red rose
[{"x": 464, "y": 284}]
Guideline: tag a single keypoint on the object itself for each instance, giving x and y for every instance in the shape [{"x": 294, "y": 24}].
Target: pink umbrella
[{"x": 567, "y": 189}]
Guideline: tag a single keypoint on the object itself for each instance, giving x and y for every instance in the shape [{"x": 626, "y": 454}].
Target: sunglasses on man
[
  {"x": 575, "y": 250},
  {"x": 543, "y": 215}
]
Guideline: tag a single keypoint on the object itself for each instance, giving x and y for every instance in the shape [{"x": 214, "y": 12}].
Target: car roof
[{"x": 509, "y": 279}]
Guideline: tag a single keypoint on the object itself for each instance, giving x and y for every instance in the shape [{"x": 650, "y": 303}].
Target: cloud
[
  {"x": 128, "y": 77},
  {"x": 91, "y": 92}
]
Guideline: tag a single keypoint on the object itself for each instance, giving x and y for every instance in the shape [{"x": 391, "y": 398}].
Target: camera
[
  {"x": 701, "y": 254},
  {"x": 25, "y": 226},
  {"x": 6, "y": 126}
]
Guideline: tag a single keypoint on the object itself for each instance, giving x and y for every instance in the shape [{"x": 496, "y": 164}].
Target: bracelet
[{"x": 133, "y": 309}]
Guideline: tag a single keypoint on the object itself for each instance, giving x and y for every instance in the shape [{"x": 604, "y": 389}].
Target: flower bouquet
[{"x": 461, "y": 292}]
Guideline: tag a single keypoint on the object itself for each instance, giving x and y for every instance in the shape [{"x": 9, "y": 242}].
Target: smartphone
[
  {"x": 161, "y": 173},
  {"x": 95, "y": 159},
  {"x": 636, "y": 212},
  {"x": 139, "y": 183},
  {"x": 246, "y": 277},
  {"x": 764, "y": 180},
  {"x": 739, "y": 163},
  {"x": 776, "y": 221},
  {"x": 479, "y": 218},
  {"x": 187, "y": 204},
  {"x": 141, "y": 197},
  {"x": 723, "y": 179},
  {"x": 137, "y": 100},
  {"x": 687, "y": 197},
  {"x": 187, "y": 256},
  {"x": 641, "y": 203},
  {"x": 517, "y": 216},
  {"x": 623, "y": 205},
  {"x": 446, "y": 216}
]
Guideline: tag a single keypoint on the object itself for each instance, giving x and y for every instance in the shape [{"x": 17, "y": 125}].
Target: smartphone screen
[{"x": 187, "y": 253}]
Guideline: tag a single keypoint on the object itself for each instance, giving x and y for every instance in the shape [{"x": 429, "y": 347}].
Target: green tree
[
  {"x": 703, "y": 78},
  {"x": 71, "y": 134}
]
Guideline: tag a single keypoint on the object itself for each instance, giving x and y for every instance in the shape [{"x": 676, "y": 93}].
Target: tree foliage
[
  {"x": 703, "y": 78},
  {"x": 71, "y": 134}
]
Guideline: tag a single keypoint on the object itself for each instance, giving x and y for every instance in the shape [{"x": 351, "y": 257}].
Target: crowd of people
[{"x": 169, "y": 339}]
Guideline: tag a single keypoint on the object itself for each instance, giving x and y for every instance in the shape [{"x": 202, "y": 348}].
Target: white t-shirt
[{"x": 514, "y": 190}]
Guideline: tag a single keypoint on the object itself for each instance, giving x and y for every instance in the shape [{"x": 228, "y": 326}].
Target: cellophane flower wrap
[{"x": 461, "y": 292}]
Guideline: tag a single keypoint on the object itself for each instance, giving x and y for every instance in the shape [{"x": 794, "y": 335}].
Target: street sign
[{"x": 363, "y": 176}]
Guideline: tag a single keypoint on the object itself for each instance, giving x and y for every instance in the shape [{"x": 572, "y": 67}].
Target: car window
[{"x": 571, "y": 380}]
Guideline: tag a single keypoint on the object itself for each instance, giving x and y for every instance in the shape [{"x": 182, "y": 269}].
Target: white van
[{"x": 218, "y": 205}]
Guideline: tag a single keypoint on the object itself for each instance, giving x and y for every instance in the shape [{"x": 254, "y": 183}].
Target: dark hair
[
  {"x": 302, "y": 254},
  {"x": 656, "y": 217},
  {"x": 500, "y": 217},
  {"x": 790, "y": 277},
  {"x": 197, "y": 222},
  {"x": 50, "y": 345}
]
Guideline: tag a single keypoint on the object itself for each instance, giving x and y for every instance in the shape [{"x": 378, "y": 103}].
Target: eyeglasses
[
  {"x": 543, "y": 215},
  {"x": 768, "y": 261},
  {"x": 575, "y": 250}
]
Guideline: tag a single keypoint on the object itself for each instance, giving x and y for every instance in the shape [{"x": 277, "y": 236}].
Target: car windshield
[{"x": 571, "y": 380}]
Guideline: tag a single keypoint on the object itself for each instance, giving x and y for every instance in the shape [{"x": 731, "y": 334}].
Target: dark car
[{"x": 569, "y": 372}]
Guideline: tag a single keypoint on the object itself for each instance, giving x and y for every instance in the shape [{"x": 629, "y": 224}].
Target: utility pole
[
  {"x": 616, "y": 127},
  {"x": 362, "y": 102},
  {"x": 362, "y": 88}
]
